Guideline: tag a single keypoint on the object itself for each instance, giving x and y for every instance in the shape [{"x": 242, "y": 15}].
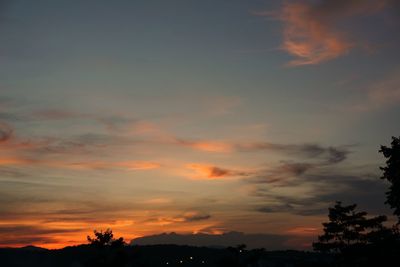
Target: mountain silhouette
[{"x": 267, "y": 241}]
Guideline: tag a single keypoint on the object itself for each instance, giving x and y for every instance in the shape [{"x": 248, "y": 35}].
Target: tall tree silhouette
[
  {"x": 356, "y": 240},
  {"x": 348, "y": 229},
  {"x": 391, "y": 173}
]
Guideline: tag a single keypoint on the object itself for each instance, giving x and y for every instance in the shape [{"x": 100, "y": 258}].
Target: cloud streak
[
  {"x": 324, "y": 189},
  {"x": 330, "y": 154}
]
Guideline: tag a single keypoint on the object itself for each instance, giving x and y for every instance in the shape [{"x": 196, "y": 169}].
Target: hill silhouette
[{"x": 267, "y": 241}]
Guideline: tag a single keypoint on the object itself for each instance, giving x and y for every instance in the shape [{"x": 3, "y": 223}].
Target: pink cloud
[
  {"x": 311, "y": 32},
  {"x": 308, "y": 39}
]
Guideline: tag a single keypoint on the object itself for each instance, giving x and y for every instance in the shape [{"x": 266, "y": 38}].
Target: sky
[{"x": 192, "y": 116}]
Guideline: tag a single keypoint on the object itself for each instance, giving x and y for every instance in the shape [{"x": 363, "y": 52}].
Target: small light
[
  {"x": 202, "y": 262},
  {"x": 191, "y": 257},
  {"x": 181, "y": 261},
  {"x": 167, "y": 263},
  {"x": 240, "y": 251}
]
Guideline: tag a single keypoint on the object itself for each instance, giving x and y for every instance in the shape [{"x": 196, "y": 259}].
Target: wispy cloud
[
  {"x": 187, "y": 217},
  {"x": 311, "y": 29},
  {"x": 323, "y": 189},
  {"x": 330, "y": 154},
  {"x": 206, "y": 145},
  {"x": 194, "y": 216},
  {"x": 104, "y": 165},
  {"x": 80, "y": 165},
  {"x": 279, "y": 175},
  {"x": 379, "y": 95},
  {"x": 316, "y": 156}
]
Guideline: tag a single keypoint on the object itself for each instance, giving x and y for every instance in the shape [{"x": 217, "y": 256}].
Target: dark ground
[{"x": 156, "y": 255}]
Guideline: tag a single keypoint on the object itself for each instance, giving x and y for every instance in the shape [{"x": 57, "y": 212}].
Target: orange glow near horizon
[{"x": 78, "y": 237}]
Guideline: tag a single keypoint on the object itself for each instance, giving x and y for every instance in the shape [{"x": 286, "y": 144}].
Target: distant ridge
[
  {"x": 33, "y": 248},
  {"x": 267, "y": 241}
]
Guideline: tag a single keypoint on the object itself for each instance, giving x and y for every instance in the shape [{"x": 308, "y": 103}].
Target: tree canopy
[
  {"x": 391, "y": 173},
  {"x": 106, "y": 238},
  {"x": 348, "y": 229}
]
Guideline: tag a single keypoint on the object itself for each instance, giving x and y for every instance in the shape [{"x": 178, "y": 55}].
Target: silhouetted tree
[
  {"x": 347, "y": 229},
  {"x": 391, "y": 173},
  {"x": 106, "y": 238},
  {"x": 357, "y": 240},
  {"x": 108, "y": 251}
]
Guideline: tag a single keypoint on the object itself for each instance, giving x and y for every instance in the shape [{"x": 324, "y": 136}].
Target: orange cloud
[
  {"x": 139, "y": 165},
  {"x": 207, "y": 146},
  {"x": 311, "y": 31},
  {"x": 15, "y": 161},
  {"x": 204, "y": 171},
  {"x": 95, "y": 165},
  {"x": 212, "y": 147},
  {"x": 208, "y": 171},
  {"x": 308, "y": 38},
  {"x": 124, "y": 165}
]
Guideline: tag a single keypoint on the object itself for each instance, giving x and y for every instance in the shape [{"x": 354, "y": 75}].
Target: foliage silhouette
[
  {"x": 347, "y": 229},
  {"x": 108, "y": 251},
  {"x": 106, "y": 238},
  {"x": 356, "y": 240},
  {"x": 391, "y": 173}
]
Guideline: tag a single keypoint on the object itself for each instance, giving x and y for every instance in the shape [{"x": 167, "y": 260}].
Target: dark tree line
[{"x": 358, "y": 240}]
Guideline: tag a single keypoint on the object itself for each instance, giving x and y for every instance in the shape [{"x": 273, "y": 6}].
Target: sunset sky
[{"x": 192, "y": 116}]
